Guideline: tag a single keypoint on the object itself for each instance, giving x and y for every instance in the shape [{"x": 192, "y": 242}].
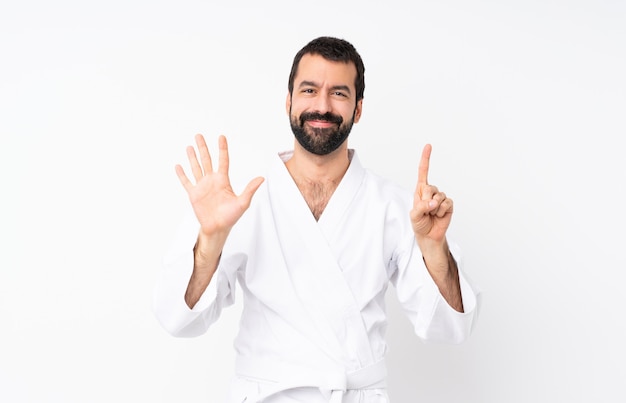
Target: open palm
[{"x": 214, "y": 202}]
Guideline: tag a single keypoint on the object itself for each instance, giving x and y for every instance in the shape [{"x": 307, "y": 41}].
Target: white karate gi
[{"x": 313, "y": 320}]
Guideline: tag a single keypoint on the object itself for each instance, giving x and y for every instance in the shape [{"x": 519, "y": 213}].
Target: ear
[
  {"x": 358, "y": 111},
  {"x": 288, "y": 103}
]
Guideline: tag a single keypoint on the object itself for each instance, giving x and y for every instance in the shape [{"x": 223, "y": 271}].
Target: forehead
[{"x": 315, "y": 68}]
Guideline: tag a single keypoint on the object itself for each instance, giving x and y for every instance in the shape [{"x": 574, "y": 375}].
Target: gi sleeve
[
  {"x": 433, "y": 319},
  {"x": 169, "y": 304}
]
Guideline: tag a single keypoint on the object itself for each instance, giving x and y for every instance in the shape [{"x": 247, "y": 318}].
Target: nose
[{"x": 322, "y": 103}]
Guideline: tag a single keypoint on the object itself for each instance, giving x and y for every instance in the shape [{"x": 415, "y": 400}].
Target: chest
[{"x": 316, "y": 195}]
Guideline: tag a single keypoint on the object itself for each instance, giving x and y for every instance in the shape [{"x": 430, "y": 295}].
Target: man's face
[{"x": 323, "y": 106}]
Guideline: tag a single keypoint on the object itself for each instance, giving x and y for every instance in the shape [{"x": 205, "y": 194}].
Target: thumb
[
  {"x": 250, "y": 190},
  {"x": 422, "y": 207}
]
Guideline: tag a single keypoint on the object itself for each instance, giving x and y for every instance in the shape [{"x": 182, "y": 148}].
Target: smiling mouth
[{"x": 320, "y": 123}]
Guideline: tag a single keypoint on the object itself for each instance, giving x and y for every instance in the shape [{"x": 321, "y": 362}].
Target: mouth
[
  {"x": 320, "y": 121},
  {"x": 321, "y": 124}
]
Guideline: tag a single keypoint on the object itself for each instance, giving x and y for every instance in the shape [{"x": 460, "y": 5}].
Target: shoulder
[
  {"x": 379, "y": 187},
  {"x": 387, "y": 190}
]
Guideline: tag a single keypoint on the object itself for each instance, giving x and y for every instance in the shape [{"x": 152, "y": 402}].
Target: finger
[
  {"x": 446, "y": 207},
  {"x": 205, "y": 156},
  {"x": 427, "y": 192},
  {"x": 438, "y": 196},
  {"x": 196, "y": 170},
  {"x": 184, "y": 180},
  {"x": 422, "y": 173},
  {"x": 435, "y": 203},
  {"x": 223, "y": 158},
  {"x": 250, "y": 190},
  {"x": 421, "y": 208}
]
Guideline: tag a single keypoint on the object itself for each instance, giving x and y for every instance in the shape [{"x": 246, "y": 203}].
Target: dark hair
[{"x": 336, "y": 50}]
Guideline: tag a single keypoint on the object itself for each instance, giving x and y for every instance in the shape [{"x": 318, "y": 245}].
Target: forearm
[
  {"x": 444, "y": 271},
  {"x": 206, "y": 255}
]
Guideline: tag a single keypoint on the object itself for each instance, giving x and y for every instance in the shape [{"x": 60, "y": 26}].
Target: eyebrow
[{"x": 333, "y": 88}]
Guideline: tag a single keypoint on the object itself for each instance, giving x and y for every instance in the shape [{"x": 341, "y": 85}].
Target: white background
[{"x": 523, "y": 101}]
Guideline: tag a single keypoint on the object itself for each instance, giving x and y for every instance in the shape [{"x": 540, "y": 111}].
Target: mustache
[{"x": 326, "y": 117}]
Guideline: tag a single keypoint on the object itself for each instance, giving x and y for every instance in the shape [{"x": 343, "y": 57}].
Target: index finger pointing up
[{"x": 422, "y": 173}]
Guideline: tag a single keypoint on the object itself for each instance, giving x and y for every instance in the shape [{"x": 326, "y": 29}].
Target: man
[{"x": 314, "y": 251}]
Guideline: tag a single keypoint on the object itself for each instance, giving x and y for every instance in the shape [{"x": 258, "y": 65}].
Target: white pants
[{"x": 247, "y": 390}]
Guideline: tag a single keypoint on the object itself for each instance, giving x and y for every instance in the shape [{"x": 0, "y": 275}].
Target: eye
[
  {"x": 340, "y": 94},
  {"x": 308, "y": 91}
]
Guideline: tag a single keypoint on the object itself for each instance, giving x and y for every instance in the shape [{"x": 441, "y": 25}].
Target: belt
[{"x": 334, "y": 379}]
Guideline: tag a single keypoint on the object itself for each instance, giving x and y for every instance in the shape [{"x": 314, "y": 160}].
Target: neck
[
  {"x": 329, "y": 168},
  {"x": 317, "y": 176}
]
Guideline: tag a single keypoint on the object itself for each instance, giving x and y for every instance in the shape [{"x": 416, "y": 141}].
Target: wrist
[
  {"x": 436, "y": 255},
  {"x": 208, "y": 249}
]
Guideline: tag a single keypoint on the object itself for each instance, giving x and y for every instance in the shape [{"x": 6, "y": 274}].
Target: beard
[{"x": 320, "y": 140}]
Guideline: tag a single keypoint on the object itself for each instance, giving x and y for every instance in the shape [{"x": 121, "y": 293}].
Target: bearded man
[{"x": 313, "y": 246}]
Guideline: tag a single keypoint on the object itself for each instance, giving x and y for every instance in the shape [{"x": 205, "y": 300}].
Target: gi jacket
[{"x": 314, "y": 291}]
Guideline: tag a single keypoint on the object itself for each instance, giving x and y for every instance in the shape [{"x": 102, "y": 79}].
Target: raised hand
[
  {"x": 216, "y": 207},
  {"x": 214, "y": 203},
  {"x": 432, "y": 210},
  {"x": 430, "y": 217}
]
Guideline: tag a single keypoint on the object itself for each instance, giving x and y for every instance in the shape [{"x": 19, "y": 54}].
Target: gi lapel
[
  {"x": 316, "y": 277},
  {"x": 337, "y": 207}
]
